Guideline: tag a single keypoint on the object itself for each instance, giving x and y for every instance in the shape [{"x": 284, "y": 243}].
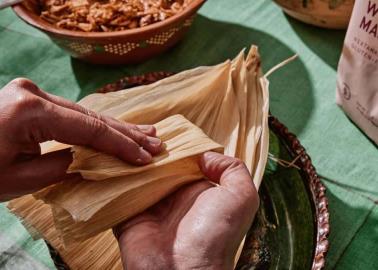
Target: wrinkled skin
[
  {"x": 198, "y": 227},
  {"x": 29, "y": 116}
]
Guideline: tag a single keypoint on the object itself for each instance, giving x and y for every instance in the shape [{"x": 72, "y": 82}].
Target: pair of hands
[{"x": 198, "y": 227}]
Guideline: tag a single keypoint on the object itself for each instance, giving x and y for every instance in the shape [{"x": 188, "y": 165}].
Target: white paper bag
[{"x": 357, "y": 81}]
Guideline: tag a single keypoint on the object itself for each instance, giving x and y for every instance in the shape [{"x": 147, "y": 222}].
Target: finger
[
  {"x": 146, "y": 129},
  {"x": 30, "y": 176},
  {"x": 229, "y": 172},
  {"x": 144, "y": 135},
  {"x": 149, "y": 130},
  {"x": 72, "y": 127},
  {"x": 150, "y": 143}
]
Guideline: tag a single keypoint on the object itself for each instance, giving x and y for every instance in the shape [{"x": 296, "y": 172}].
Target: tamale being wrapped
[
  {"x": 181, "y": 139},
  {"x": 82, "y": 209},
  {"x": 228, "y": 102}
]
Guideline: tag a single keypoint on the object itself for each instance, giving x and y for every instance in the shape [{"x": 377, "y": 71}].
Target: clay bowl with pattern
[{"x": 118, "y": 47}]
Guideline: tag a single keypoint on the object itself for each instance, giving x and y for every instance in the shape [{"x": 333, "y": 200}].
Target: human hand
[
  {"x": 29, "y": 116},
  {"x": 199, "y": 227}
]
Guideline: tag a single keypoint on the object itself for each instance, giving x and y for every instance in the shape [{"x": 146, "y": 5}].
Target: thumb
[
  {"x": 23, "y": 177},
  {"x": 230, "y": 173}
]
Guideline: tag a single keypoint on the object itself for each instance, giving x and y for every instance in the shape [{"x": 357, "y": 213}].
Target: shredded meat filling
[{"x": 108, "y": 15}]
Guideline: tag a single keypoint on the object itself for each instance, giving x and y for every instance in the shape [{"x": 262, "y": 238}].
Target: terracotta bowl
[
  {"x": 324, "y": 13},
  {"x": 120, "y": 47}
]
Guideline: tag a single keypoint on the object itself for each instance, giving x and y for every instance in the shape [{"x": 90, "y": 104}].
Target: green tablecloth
[{"x": 302, "y": 96}]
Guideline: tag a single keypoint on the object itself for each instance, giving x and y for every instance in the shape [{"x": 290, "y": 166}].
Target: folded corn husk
[
  {"x": 82, "y": 209},
  {"x": 181, "y": 139},
  {"x": 229, "y": 102}
]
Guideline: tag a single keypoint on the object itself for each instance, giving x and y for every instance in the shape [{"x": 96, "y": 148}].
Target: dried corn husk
[
  {"x": 99, "y": 252},
  {"x": 82, "y": 209},
  {"x": 181, "y": 139},
  {"x": 229, "y": 102}
]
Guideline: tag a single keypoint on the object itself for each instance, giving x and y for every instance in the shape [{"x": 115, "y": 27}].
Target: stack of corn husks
[{"x": 221, "y": 108}]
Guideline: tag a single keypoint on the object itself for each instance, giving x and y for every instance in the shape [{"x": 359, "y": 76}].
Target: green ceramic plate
[
  {"x": 291, "y": 227},
  {"x": 290, "y": 230}
]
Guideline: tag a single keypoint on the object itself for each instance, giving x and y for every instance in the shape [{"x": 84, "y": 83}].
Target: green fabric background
[{"x": 302, "y": 97}]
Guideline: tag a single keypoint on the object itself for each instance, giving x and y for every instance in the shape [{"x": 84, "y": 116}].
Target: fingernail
[
  {"x": 154, "y": 141},
  {"x": 144, "y": 128},
  {"x": 144, "y": 156}
]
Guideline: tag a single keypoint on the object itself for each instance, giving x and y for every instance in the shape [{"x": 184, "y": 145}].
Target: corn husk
[
  {"x": 229, "y": 102},
  {"x": 181, "y": 139},
  {"x": 82, "y": 209},
  {"x": 99, "y": 252}
]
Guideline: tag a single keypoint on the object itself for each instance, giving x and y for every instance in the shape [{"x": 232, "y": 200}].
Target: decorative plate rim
[{"x": 317, "y": 190}]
